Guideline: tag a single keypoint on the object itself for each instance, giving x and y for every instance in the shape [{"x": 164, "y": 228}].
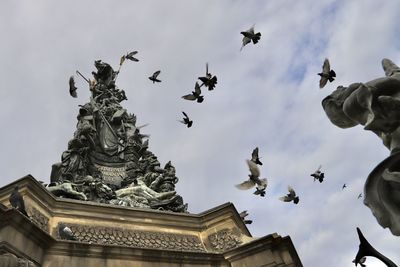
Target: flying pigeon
[
  {"x": 260, "y": 191},
  {"x": 209, "y": 80},
  {"x": 195, "y": 95},
  {"x": 253, "y": 178},
  {"x": 254, "y": 157},
  {"x": 366, "y": 249},
  {"x": 290, "y": 197},
  {"x": 318, "y": 175},
  {"x": 72, "y": 87},
  {"x": 186, "y": 120},
  {"x": 361, "y": 261},
  {"x": 65, "y": 232},
  {"x": 17, "y": 201},
  {"x": 344, "y": 186},
  {"x": 154, "y": 77},
  {"x": 243, "y": 215},
  {"x": 326, "y": 75},
  {"x": 359, "y": 196},
  {"x": 249, "y": 36},
  {"x": 130, "y": 56}
]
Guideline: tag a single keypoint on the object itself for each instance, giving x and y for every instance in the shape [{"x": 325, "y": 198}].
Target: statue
[
  {"x": 108, "y": 160},
  {"x": 376, "y": 106}
]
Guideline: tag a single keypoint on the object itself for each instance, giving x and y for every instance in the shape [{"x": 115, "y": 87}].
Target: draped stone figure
[{"x": 376, "y": 106}]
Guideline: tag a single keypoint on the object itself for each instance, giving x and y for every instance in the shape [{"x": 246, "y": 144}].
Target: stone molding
[
  {"x": 11, "y": 257},
  {"x": 11, "y": 260}
]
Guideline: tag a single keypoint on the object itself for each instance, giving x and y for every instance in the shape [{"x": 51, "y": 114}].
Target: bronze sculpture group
[{"x": 108, "y": 160}]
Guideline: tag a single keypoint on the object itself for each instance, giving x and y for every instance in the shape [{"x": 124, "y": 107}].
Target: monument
[
  {"x": 108, "y": 160},
  {"x": 376, "y": 106},
  {"x": 110, "y": 203}
]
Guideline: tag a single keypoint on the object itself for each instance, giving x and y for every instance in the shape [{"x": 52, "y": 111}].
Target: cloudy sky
[{"x": 266, "y": 96}]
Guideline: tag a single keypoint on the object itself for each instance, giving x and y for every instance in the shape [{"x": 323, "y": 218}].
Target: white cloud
[{"x": 266, "y": 96}]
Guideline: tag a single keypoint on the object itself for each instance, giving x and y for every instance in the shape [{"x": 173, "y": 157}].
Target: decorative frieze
[
  {"x": 224, "y": 240},
  {"x": 39, "y": 219},
  {"x": 140, "y": 239}
]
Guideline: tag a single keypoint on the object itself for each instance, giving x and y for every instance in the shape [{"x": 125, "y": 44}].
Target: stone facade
[{"x": 108, "y": 235}]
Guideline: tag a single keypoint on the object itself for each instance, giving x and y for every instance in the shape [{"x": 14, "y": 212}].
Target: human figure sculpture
[
  {"x": 376, "y": 106},
  {"x": 107, "y": 159}
]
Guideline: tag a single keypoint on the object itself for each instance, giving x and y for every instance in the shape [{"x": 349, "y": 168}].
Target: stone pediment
[{"x": 126, "y": 235}]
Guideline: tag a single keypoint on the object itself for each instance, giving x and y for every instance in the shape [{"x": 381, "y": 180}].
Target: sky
[{"x": 267, "y": 96}]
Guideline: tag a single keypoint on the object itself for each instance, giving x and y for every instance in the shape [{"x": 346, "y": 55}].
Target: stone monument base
[{"x": 110, "y": 235}]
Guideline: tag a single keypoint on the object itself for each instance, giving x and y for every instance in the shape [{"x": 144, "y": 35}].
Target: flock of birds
[
  {"x": 209, "y": 81},
  {"x": 261, "y": 184}
]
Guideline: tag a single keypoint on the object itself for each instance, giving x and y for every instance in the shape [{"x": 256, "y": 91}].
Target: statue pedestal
[{"x": 120, "y": 236}]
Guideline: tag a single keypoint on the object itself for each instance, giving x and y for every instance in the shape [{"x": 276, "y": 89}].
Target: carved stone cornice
[
  {"x": 11, "y": 260},
  {"x": 17, "y": 220},
  {"x": 271, "y": 242}
]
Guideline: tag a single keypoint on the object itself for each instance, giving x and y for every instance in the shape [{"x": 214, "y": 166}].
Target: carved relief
[
  {"x": 39, "y": 219},
  {"x": 141, "y": 239},
  {"x": 224, "y": 240}
]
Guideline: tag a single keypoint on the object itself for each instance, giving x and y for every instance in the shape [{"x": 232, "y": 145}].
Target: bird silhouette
[
  {"x": 327, "y": 74},
  {"x": 249, "y": 36},
  {"x": 72, "y": 87},
  {"x": 344, "y": 186},
  {"x": 131, "y": 57},
  {"x": 291, "y": 196},
  {"x": 154, "y": 77},
  {"x": 243, "y": 215},
  {"x": 254, "y": 157},
  {"x": 17, "y": 201},
  {"x": 195, "y": 95},
  {"x": 254, "y": 178},
  {"x": 318, "y": 175},
  {"x": 209, "y": 80},
  {"x": 186, "y": 120},
  {"x": 260, "y": 191},
  {"x": 359, "y": 196},
  {"x": 366, "y": 249}
]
